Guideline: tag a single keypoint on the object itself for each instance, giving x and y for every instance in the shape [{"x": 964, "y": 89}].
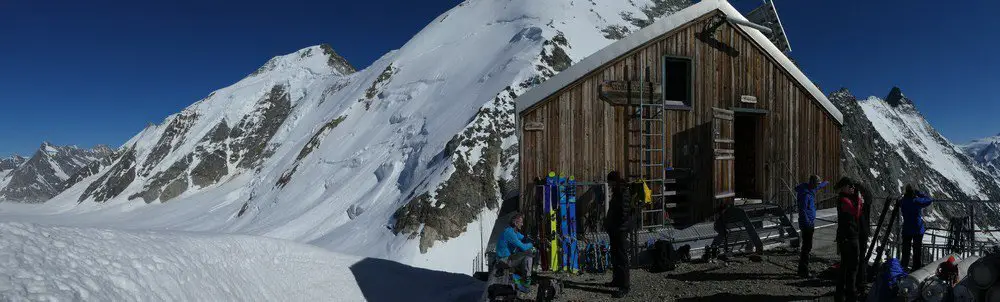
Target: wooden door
[{"x": 723, "y": 183}]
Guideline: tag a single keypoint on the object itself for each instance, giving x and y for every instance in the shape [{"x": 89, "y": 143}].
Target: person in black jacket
[
  {"x": 619, "y": 223},
  {"x": 848, "y": 216},
  {"x": 864, "y": 233}
]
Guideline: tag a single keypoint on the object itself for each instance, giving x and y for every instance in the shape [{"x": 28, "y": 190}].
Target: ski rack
[{"x": 594, "y": 223}]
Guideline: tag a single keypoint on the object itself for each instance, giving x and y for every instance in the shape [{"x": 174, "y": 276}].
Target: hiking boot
[
  {"x": 521, "y": 284},
  {"x": 621, "y": 293},
  {"x": 521, "y": 287}
]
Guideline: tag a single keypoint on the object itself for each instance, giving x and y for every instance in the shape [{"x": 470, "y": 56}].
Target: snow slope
[
  {"x": 887, "y": 144},
  {"x": 903, "y": 127},
  {"x": 403, "y": 160},
  {"x": 66, "y": 263}
]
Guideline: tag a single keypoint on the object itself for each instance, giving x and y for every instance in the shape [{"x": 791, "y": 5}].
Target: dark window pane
[{"x": 677, "y": 80}]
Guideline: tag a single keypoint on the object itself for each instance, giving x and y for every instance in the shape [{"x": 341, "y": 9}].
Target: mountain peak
[
  {"x": 842, "y": 93},
  {"x": 320, "y": 59},
  {"x": 336, "y": 61},
  {"x": 48, "y": 148},
  {"x": 896, "y": 97}
]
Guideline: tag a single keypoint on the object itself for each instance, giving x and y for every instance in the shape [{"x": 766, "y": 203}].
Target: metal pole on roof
[{"x": 761, "y": 28}]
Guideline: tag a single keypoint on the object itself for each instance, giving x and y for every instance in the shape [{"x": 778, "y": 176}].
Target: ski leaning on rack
[
  {"x": 543, "y": 218},
  {"x": 553, "y": 197},
  {"x": 574, "y": 248},
  {"x": 564, "y": 229}
]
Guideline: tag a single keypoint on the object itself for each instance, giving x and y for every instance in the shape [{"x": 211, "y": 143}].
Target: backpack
[
  {"x": 548, "y": 290},
  {"x": 664, "y": 256},
  {"x": 501, "y": 292},
  {"x": 886, "y": 285}
]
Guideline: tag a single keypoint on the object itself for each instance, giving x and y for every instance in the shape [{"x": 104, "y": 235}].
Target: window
[{"x": 677, "y": 82}]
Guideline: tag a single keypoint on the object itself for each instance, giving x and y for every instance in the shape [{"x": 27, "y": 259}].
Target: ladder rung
[
  {"x": 651, "y": 119},
  {"x": 652, "y": 134},
  {"x": 652, "y": 165},
  {"x": 652, "y": 149},
  {"x": 652, "y": 211},
  {"x": 665, "y": 194}
]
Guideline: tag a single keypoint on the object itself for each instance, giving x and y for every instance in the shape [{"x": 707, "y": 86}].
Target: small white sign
[
  {"x": 534, "y": 126},
  {"x": 749, "y": 99}
]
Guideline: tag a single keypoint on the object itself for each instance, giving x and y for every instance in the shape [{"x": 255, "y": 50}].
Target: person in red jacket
[{"x": 848, "y": 226}]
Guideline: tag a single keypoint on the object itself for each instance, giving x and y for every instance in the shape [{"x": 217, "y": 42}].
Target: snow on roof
[{"x": 658, "y": 28}]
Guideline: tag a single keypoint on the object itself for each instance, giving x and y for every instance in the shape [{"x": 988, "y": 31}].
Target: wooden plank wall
[{"x": 584, "y": 136}]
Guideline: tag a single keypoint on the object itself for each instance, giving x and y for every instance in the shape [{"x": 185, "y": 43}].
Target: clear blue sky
[{"x": 96, "y": 73}]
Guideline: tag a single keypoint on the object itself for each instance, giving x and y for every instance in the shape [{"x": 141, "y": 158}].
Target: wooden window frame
[{"x": 674, "y": 104}]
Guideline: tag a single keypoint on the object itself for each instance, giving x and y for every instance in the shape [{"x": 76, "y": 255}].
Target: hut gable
[{"x": 656, "y": 30}]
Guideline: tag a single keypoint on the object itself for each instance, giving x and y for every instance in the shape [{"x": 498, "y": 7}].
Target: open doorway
[{"x": 747, "y": 130}]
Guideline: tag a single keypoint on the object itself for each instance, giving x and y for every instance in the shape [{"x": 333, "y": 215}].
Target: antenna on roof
[{"x": 767, "y": 16}]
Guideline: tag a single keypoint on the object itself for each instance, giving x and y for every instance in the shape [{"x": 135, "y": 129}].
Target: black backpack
[
  {"x": 501, "y": 292},
  {"x": 664, "y": 256},
  {"x": 548, "y": 290}
]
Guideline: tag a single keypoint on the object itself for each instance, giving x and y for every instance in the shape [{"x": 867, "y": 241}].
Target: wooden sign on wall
[
  {"x": 534, "y": 126},
  {"x": 619, "y": 92}
]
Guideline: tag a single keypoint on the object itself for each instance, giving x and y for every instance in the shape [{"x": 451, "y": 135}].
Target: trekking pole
[
  {"x": 885, "y": 240},
  {"x": 878, "y": 229}
]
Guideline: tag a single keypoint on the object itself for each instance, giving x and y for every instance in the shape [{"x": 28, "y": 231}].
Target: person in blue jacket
[
  {"x": 806, "y": 201},
  {"x": 912, "y": 206},
  {"x": 512, "y": 249}
]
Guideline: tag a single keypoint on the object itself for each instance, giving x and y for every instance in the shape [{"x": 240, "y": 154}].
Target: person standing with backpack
[
  {"x": 806, "y": 201},
  {"x": 912, "y": 206},
  {"x": 619, "y": 223}
]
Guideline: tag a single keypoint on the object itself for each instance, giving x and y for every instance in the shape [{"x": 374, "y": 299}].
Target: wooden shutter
[{"x": 724, "y": 156}]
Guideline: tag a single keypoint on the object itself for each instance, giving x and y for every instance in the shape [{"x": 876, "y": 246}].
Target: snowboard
[
  {"x": 552, "y": 182},
  {"x": 574, "y": 247},
  {"x": 564, "y": 222},
  {"x": 543, "y": 226}
]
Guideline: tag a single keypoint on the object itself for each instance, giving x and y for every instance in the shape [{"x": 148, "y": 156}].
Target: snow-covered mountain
[
  {"x": 49, "y": 171},
  {"x": 888, "y": 143},
  {"x": 986, "y": 152},
  {"x": 407, "y": 159},
  {"x": 10, "y": 163}
]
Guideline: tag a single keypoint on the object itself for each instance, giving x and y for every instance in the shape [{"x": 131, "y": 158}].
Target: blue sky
[{"x": 97, "y": 73}]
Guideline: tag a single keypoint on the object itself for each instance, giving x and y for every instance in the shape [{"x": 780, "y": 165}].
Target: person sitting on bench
[{"x": 513, "y": 251}]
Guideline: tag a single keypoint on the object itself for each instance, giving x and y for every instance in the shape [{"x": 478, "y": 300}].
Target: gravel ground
[{"x": 739, "y": 279}]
